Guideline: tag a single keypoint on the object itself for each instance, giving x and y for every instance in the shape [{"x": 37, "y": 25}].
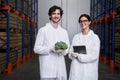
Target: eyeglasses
[{"x": 84, "y": 21}]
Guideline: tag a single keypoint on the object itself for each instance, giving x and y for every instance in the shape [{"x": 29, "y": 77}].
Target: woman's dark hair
[
  {"x": 53, "y": 8},
  {"x": 84, "y": 15}
]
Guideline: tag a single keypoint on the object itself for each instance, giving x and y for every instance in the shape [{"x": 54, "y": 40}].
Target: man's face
[{"x": 55, "y": 17}]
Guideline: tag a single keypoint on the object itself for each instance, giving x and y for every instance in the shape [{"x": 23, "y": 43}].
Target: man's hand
[{"x": 60, "y": 52}]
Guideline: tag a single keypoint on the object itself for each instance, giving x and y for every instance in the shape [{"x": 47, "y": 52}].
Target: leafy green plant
[{"x": 61, "y": 45}]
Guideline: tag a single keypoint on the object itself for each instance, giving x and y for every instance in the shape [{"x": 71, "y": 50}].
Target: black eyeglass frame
[{"x": 84, "y": 21}]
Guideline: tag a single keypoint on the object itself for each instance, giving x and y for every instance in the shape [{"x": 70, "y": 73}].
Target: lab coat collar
[
  {"x": 89, "y": 33},
  {"x": 50, "y": 25}
]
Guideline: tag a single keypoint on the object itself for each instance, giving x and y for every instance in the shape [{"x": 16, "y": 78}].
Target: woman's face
[{"x": 84, "y": 23}]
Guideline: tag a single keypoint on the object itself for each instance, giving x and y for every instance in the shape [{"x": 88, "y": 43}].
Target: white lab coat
[
  {"x": 52, "y": 65},
  {"x": 85, "y": 67}
]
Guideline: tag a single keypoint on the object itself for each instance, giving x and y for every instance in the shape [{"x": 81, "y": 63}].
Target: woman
[{"x": 85, "y": 66}]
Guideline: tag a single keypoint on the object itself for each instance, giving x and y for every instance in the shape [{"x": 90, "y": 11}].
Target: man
[{"x": 52, "y": 65}]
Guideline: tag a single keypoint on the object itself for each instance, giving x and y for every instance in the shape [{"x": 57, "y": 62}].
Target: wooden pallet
[
  {"x": 2, "y": 62},
  {"x": 12, "y": 24},
  {"x": 13, "y": 36},
  {"x": 13, "y": 58},
  {"x": 19, "y": 5},
  {"x": 117, "y": 3},
  {"x": 117, "y": 59}
]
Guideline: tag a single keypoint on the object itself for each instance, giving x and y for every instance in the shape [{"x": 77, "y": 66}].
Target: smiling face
[
  {"x": 84, "y": 23},
  {"x": 55, "y": 16}
]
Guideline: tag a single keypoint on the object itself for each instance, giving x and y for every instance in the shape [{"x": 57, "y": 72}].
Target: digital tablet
[{"x": 79, "y": 49}]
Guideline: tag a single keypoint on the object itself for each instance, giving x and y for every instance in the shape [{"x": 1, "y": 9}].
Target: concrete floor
[{"x": 30, "y": 71}]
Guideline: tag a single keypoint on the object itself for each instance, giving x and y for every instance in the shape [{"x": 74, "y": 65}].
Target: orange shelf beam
[{"x": 6, "y": 8}]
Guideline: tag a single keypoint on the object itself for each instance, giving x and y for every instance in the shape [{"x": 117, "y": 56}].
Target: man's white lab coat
[
  {"x": 85, "y": 67},
  {"x": 52, "y": 65}
]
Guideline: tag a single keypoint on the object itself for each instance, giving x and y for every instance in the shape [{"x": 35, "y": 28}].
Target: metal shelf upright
[
  {"x": 8, "y": 39},
  {"x": 112, "y": 60},
  {"x": 31, "y": 31},
  {"x": 106, "y": 34},
  {"x": 103, "y": 13},
  {"x": 23, "y": 25}
]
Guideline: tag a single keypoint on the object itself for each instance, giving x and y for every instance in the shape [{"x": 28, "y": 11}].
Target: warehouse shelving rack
[
  {"x": 103, "y": 13},
  {"x": 12, "y": 56},
  {"x": 31, "y": 17},
  {"x": 117, "y": 37},
  {"x": 4, "y": 10}
]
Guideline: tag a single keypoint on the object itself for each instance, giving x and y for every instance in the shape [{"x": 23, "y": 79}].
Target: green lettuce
[{"x": 61, "y": 45}]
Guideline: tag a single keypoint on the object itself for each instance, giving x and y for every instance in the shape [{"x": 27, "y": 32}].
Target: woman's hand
[{"x": 75, "y": 55}]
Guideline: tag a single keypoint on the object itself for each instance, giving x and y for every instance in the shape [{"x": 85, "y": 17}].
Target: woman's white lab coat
[
  {"x": 52, "y": 65},
  {"x": 85, "y": 67}
]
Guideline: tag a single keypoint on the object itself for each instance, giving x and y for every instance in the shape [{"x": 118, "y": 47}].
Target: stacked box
[
  {"x": 26, "y": 37},
  {"x": 33, "y": 35},
  {"x": 117, "y": 3},
  {"x": 12, "y": 4},
  {"x": 25, "y": 8},
  {"x": 2, "y": 62},
  {"x": 20, "y": 5},
  {"x": 19, "y": 36},
  {"x": 13, "y": 35},
  {"x": 117, "y": 59},
  {"x": 117, "y": 38}
]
